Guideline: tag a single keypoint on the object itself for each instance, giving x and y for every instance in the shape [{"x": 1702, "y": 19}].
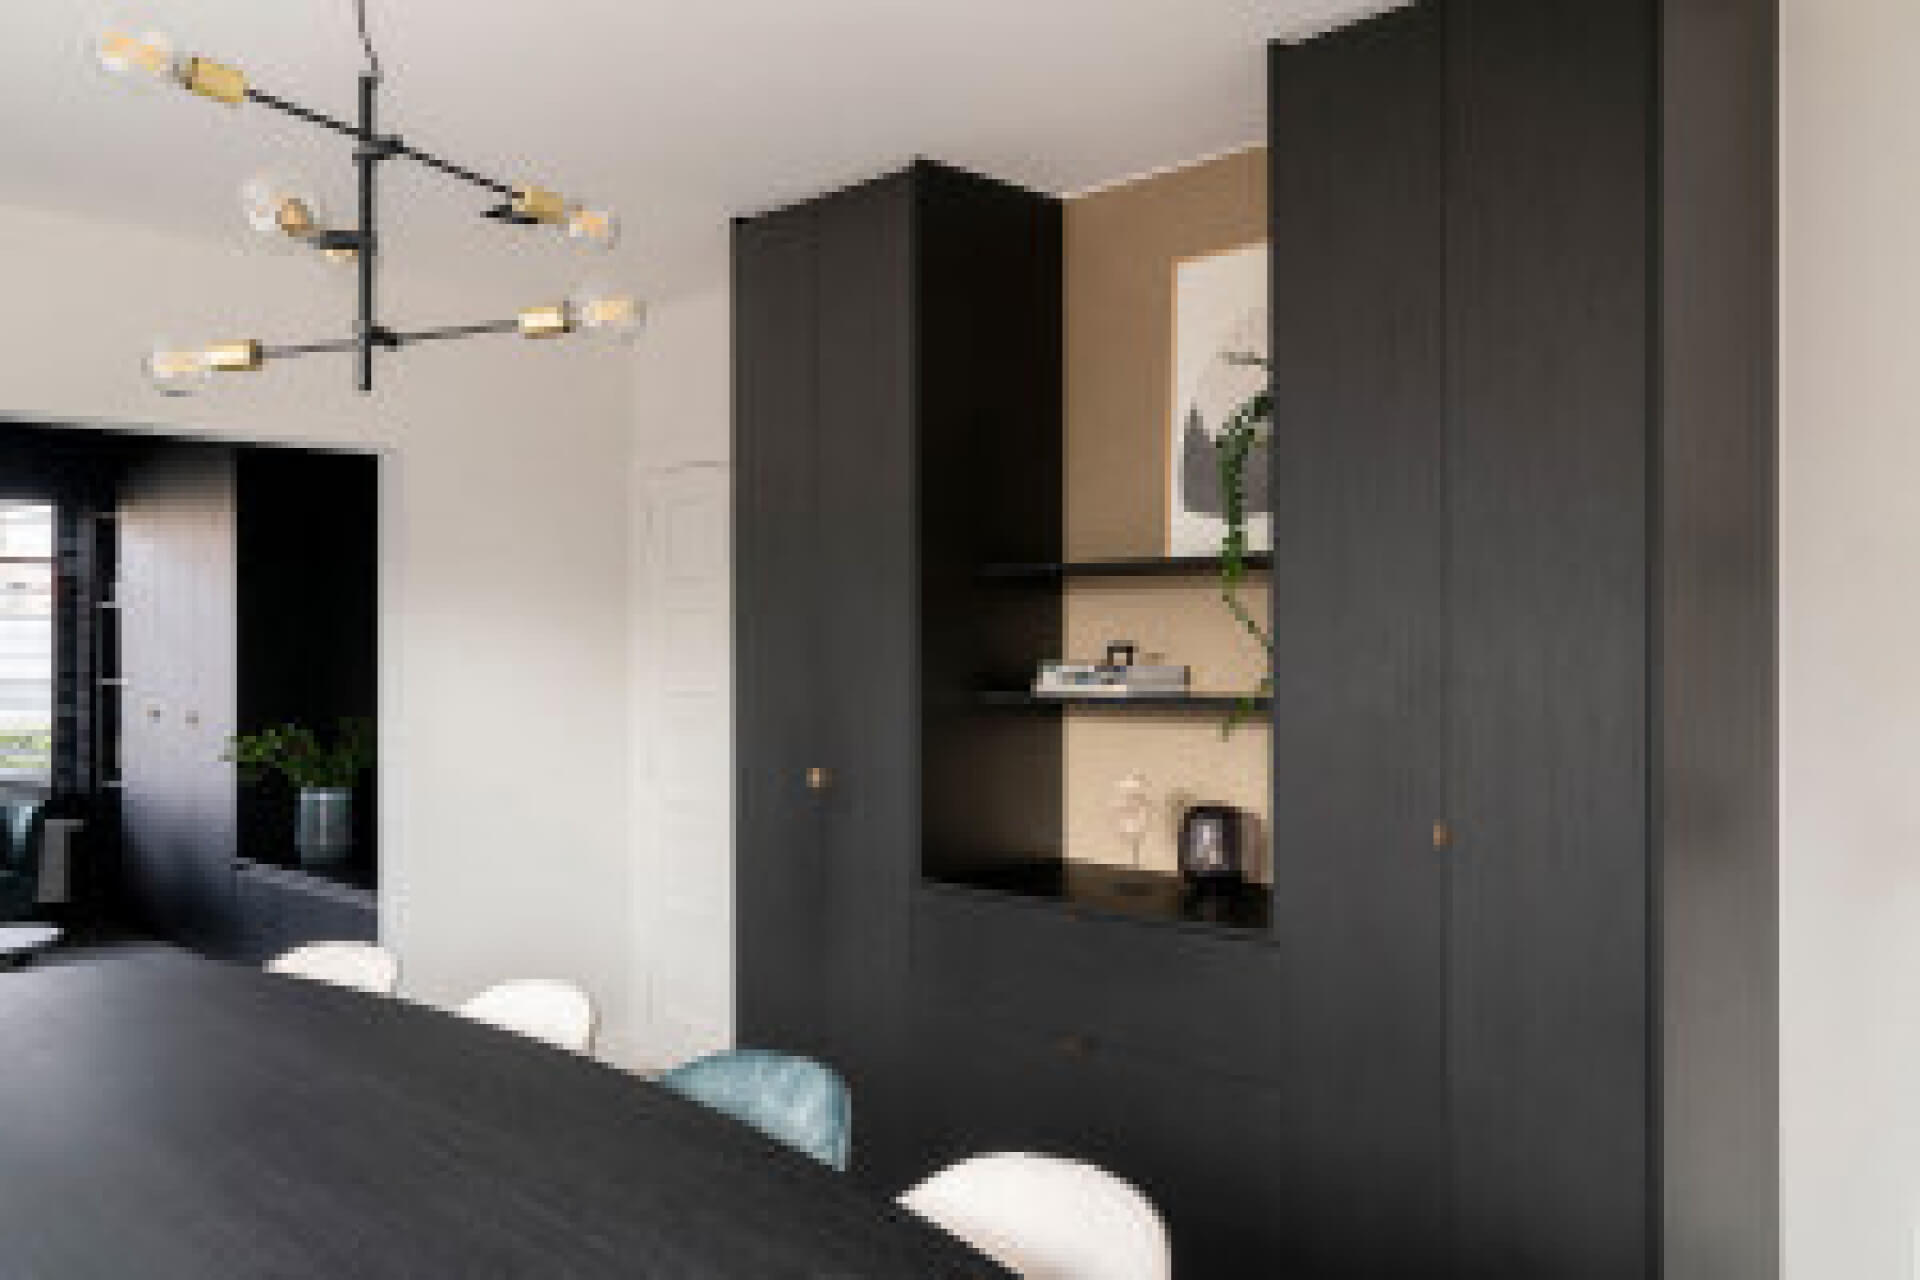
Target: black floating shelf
[
  {"x": 1148, "y": 704},
  {"x": 351, "y": 884},
  {"x": 1139, "y": 567},
  {"x": 1093, "y": 889}
]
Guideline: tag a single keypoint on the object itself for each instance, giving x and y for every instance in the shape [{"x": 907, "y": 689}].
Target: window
[{"x": 26, "y": 641}]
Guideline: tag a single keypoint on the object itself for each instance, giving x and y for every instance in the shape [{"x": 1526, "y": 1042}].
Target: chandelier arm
[
  {"x": 299, "y": 112},
  {"x": 445, "y": 332},
  {"x": 451, "y": 169},
  {"x": 394, "y": 146},
  {"x": 326, "y": 346},
  {"x": 344, "y": 346}
]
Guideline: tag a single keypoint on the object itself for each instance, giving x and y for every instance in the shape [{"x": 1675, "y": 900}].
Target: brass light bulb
[
  {"x": 599, "y": 228},
  {"x": 618, "y": 317}
]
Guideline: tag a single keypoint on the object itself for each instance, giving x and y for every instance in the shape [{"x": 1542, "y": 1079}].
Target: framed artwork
[{"x": 1219, "y": 313}]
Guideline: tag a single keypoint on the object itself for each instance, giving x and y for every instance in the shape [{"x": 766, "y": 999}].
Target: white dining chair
[
  {"x": 359, "y": 965},
  {"x": 1045, "y": 1218},
  {"x": 547, "y": 1009}
]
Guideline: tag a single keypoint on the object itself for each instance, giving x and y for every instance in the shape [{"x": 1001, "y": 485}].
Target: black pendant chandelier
[{"x": 286, "y": 210}]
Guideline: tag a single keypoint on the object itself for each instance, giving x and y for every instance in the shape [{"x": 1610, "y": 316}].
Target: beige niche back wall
[{"x": 1122, "y": 245}]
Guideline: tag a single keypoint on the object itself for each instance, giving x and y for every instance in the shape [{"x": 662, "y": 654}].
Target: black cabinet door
[
  {"x": 782, "y": 894},
  {"x": 1547, "y": 407},
  {"x": 1358, "y": 226},
  {"x": 827, "y": 637},
  {"x": 867, "y": 610},
  {"x": 176, "y": 589}
]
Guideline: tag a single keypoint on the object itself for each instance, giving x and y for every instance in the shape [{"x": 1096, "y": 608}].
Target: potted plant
[
  {"x": 1244, "y": 428},
  {"x": 323, "y": 773}
]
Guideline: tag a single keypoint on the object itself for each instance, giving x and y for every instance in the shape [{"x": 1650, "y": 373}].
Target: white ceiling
[{"x": 681, "y": 115}]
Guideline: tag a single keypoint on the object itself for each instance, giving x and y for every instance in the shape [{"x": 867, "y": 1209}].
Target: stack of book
[{"x": 1101, "y": 680}]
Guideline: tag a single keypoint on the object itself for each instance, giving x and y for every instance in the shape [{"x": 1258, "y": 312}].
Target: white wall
[
  {"x": 1850, "y": 636},
  {"x": 505, "y": 571},
  {"x": 682, "y": 687}
]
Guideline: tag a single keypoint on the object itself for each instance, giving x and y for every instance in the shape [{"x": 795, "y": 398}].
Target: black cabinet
[
  {"x": 827, "y": 695},
  {"x": 246, "y": 596},
  {"x": 177, "y": 613},
  {"x": 897, "y": 411},
  {"x": 1509, "y": 1012},
  {"x": 1517, "y": 393}
]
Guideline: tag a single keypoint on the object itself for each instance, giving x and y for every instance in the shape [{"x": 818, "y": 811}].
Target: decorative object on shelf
[
  {"x": 1122, "y": 653},
  {"x": 1213, "y": 845},
  {"x": 323, "y": 773},
  {"x": 1220, "y": 314},
  {"x": 1109, "y": 680},
  {"x": 1133, "y": 812},
  {"x": 286, "y": 212}
]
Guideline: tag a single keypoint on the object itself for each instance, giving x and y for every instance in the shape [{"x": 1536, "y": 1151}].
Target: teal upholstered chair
[
  {"x": 21, "y": 827},
  {"x": 794, "y": 1100}
]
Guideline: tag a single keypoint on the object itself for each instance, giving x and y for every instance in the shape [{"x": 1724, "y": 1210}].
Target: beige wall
[
  {"x": 1850, "y": 638},
  {"x": 504, "y": 571},
  {"x": 1121, "y": 247}
]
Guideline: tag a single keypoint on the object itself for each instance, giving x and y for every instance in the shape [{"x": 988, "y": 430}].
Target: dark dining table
[{"x": 169, "y": 1117}]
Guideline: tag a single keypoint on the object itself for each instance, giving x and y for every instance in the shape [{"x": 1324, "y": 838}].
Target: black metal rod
[
  {"x": 451, "y": 169},
  {"x": 303, "y": 113},
  {"x": 396, "y": 145},
  {"x": 441, "y": 333},
  {"x": 445, "y": 332},
  {"x": 366, "y": 159},
  {"x": 324, "y": 347}
]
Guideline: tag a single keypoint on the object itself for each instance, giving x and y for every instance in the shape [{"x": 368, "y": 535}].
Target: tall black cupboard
[
  {"x": 1524, "y": 780},
  {"x": 1509, "y": 1010},
  {"x": 246, "y": 597}
]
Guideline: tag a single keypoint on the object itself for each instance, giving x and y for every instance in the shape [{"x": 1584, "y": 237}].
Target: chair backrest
[
  {"x": 359, "y": 965},
  {"x": 548, "y": 1009},
  {"x": 1047, "y": 1219},
  {"x": 795, "y": 1100},
  {"x": 22, "y": 828}
]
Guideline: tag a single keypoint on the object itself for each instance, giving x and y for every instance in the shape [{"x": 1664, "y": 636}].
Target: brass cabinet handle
[{"x": 819, "y": 779}]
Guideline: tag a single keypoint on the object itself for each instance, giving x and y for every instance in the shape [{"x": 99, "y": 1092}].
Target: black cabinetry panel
[
  {"x": 1183, "y": 998},
  {"x": 866, "y": 721},
  {"x": 1548, "y": 481},
  {"x": 1358, "y": 208},
  {"x": 1198, "y": 1145},
  {"x": 783, "y": 888},
  {"x": 281, "y": 909},
  {"x": 177, "y": 598}
]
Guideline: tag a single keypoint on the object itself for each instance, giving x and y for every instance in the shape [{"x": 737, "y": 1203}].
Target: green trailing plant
[
  {"x": 299, "y": 755},
  {"x": 1246, "y": 427}
]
